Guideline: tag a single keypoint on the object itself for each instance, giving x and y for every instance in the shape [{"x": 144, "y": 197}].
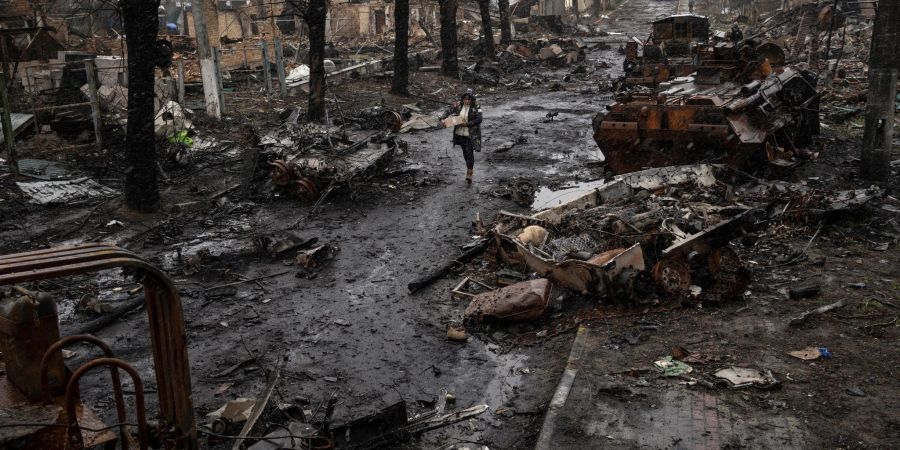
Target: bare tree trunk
[
  {"x": 315, "y": 20},
  {"x": 449, "y": 61},
  {"x": 486, "y": 30},
  {"x": 884, "y": 63},
  {"x": 505, "y": 34},
  {"x": 140, "y": 22},
  {"x": 400, "y": 85}
]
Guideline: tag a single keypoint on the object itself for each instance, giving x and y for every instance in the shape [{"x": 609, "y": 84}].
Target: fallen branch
[
  {"x": 438, "y": 273},
  {"x": 102, "y": 322},
  {"x": 820, "y": 310}
]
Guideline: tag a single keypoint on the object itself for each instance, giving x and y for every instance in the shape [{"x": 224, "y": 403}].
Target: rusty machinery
[
  {"x": 680, "y": 45},
  {"x": 40, "y": 403},
  {"x": 300, "y": 175},
  {"x": 717, "y": 62},
  {"x": 746, "y": 125}
]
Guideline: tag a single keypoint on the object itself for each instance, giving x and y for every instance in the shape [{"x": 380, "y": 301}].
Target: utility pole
[
  {"x": 211, "y": 14},
  {"x": 884, "y": 62},
  {"x": 209, "y": 70}
]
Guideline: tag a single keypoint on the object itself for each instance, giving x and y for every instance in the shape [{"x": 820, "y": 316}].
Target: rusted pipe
[
  {"x": 74, "y": 433},
  {"x": 113, "y": 373}
]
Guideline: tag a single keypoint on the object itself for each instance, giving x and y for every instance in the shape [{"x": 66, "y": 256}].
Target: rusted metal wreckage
[
  {"x": 665, "y": 231},
  {"x": 711, "y": 98},
  {"x": 682, "y": 44},
  {"x": 39, "y": 393},
  {"x": 701, "y": 259},
  {"x": 308, "y": 175},
  {"x": 769, "y": 120},
  {"x": 40, "y": 400}
]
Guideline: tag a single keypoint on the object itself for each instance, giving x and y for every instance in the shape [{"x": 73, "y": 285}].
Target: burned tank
[
  {"x": 743, "y": 125},
  {"x": 681, "y": 44}
]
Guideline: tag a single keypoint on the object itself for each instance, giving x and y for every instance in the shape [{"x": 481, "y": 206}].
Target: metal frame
[
  {"x": 165, "y": 317},
  {"x": 113, "y": 373}
]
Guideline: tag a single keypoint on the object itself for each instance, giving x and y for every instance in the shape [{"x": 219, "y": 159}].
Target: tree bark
[
  {"x": 487, "y": 31},
  {"x": 449, "y": 61},
  {"x": 400, "y": 85},
  {"x": 140, "y": 23},
  {"x": 505, "y": 34},
  {"x": 884, "y": 63},
  {"x": 315, "y": 20}
]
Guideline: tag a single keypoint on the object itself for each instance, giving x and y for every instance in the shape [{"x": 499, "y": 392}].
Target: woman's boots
[{"x": 469, "y": 176}]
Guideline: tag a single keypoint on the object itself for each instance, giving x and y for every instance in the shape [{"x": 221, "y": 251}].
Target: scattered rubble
[{"x": 723, "y": 213}]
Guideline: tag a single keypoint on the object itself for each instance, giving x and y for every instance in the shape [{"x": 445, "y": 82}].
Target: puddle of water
[{"x": 547, "y": 198}]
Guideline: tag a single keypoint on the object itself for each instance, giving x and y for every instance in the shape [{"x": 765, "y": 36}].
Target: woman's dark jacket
[{"x": 473, "y": 122}]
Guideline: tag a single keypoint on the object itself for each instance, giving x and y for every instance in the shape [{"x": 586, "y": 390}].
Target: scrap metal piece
[
  {"x": 305, "y": 189},
  {"x": 393, "y": 121},
  {"x": 258, "y": 408},
  {"x": 75, "y": 436},
  {"x": 113, "y": 373},
  {"x": 34, "y": 414},
  {"x": 51, "y": 437},
  {"x": 727, "y": 277},
  {"x": 521, "y": 301},
  {"x": 581, "y": 276},
  {"x": 709, "y": 239},
  {"x": 672, "y": 276},
  {"x": 281, "y": 173},
  {"x": 79, "y": 190},
  {"x": 729, "y": 280},
  {"x": 373, "y": 430}
]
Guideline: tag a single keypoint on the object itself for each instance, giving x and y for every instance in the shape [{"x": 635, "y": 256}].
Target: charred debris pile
[
  {"x": 754, "y": 98},
  {"x": 703, "y": 134},
  {"x": 671, "y": 235}
]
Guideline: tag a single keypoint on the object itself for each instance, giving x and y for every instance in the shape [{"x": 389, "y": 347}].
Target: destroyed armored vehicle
[
  {"x": 747, "y": 125},
  {"x": 681, "y": 45}
]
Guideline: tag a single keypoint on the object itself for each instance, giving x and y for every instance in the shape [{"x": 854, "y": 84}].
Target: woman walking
[{"x": 465, "y": 118}]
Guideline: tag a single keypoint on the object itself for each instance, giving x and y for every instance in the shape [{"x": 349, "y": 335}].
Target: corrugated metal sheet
[{"x": 79, "y": 190}]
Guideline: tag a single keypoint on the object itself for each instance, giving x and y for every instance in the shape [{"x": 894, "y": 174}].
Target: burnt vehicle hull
[
  {"x": 681, "y": 44},
  {"x": 744, "y": 125}
]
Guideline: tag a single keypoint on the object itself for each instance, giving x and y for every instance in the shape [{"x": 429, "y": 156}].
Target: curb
[{"x": 544, "y": 441}]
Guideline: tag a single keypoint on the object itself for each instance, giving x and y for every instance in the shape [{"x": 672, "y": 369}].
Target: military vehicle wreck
[
  {"x": 745, "y": 125},
  {"x": 682, "y": 44}
]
